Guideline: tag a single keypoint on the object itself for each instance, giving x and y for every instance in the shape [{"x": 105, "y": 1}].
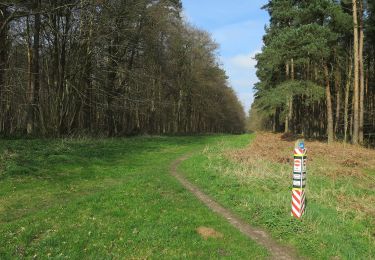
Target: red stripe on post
[
  {"x": 296, "y": 212},
  {"x": 296, "y": 206},
  {"x": 296, "y": 198}
]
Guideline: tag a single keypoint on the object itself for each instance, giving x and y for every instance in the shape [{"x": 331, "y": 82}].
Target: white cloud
[
  {"x": 239, "y": 37},
  {"x": 243, "y": 61},
  {"x": 242, "y": 75},
  {"x": 241, "y": 69}
]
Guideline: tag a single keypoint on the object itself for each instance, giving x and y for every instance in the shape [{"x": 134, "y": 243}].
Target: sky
[{"x": 238, "y": 27}]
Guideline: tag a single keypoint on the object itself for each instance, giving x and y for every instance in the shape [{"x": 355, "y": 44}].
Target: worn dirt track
[{"x": 260, "y": 236}]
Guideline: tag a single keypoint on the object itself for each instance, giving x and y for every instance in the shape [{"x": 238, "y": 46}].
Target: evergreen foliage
[{"x": 307, "y": 69}]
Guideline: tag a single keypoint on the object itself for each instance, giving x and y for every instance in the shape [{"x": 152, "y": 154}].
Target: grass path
[
  {"x": 259, "y": 235},
  {"x": 107, "y": 199}
]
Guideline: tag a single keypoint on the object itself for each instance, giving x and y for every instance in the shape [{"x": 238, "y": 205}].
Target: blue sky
[{"x": 238, "y": 27}]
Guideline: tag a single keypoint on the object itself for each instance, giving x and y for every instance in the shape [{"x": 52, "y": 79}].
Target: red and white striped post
[{"x": 299, "y": 180}]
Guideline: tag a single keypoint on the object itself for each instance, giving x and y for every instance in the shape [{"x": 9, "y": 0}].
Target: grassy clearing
[
  {"x": 255, "y": 182},
  {"x": 106, "y": 199}
]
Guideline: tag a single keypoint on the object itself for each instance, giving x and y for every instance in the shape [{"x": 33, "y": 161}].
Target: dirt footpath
[{"x": 260, "y": 236}]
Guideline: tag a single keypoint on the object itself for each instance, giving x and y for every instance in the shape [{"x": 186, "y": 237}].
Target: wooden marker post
[{"x": 299, "y": 179}]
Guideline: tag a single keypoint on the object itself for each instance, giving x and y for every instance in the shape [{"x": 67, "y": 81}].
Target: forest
[
  {"x": 110, "y": 68},
  {"x": 316, "y": 70}
]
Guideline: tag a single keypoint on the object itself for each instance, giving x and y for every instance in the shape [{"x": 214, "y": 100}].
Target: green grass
[
  {"x": 330, "y": 229},
  {"x": 106, "y": 199}
]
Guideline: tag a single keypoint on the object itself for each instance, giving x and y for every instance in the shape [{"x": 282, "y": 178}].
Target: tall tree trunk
[
  {"x": 30, "y": 83},
  {"x": 274, "y": 123},
  {"x": 355, "y": 137},
  {"x": 361, "y": 76},
  {"x": 347, "y": 93},
  {"x": 34, "y": 80},
  {"x": 111, "y": 78},
  {"x": 338, "y": 99},
  {"x": 290, "y": 116},
  {"x": 286, "y": 129},
  {"x": 63, "y": 125},
  {"x": 56, "y": 99},
  {"x": 86, "y": 40},
  {"x": 330, "y": 132},
  {"x": 3, "y": 61}
]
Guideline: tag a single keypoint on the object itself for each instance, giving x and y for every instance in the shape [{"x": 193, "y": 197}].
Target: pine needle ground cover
[
  {"x": 253, "y": 176},
  {"x": 107, "y": 199}
]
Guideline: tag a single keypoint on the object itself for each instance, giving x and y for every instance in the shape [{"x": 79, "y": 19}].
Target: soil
[{"x": 207, "y": 232}]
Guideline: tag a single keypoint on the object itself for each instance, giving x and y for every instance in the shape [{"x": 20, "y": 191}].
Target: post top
[{"x": 300, "y": 143}]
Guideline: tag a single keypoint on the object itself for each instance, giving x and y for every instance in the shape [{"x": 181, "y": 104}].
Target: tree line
[
  {"x": 316, "y": 70},
  {"x": 109, "y": 67}
]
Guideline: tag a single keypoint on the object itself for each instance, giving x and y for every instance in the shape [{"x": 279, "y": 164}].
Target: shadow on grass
[{"x": 54, "y": 159}]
